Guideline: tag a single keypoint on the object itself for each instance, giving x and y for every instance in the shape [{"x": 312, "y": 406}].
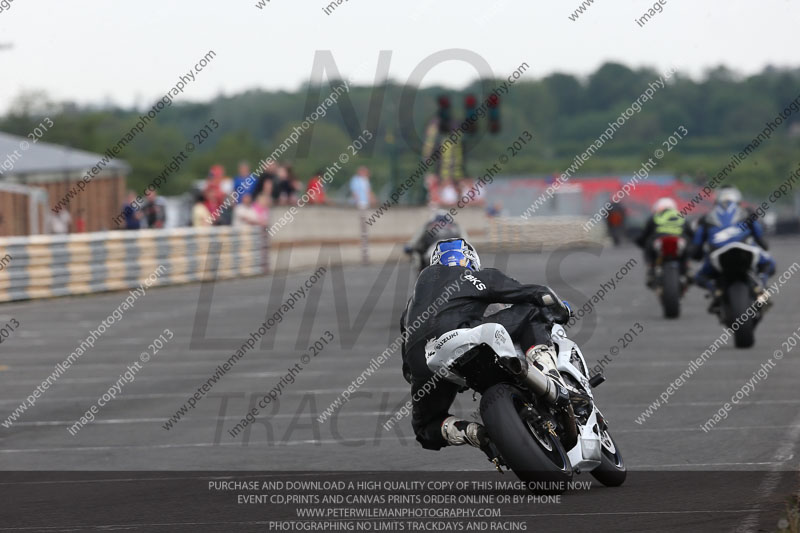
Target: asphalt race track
[{"x": 737, "y": 474}]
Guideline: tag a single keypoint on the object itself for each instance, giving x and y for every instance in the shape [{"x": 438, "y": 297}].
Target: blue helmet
[{"x": 455, "y": 252}]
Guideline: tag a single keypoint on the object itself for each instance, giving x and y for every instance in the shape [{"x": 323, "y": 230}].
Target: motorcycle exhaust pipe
[
  {"x": 540, "y": 384},
  {"x": 532, "y": 377}
]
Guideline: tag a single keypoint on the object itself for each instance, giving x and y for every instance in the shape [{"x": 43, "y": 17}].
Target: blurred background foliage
[{"x": 723, "y": 111}]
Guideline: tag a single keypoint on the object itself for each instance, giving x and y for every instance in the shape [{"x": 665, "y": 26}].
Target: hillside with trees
[{"x": 722, "y": 112}]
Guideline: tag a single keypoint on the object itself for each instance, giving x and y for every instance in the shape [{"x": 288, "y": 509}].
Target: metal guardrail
[{"x": 43, "y": 266}]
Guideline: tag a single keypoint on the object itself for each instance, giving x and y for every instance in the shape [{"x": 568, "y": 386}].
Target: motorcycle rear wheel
[
  {"x": 531, "y": 452},
  {"x": 671, "y": 290},
  {"x": 738, "y": 296}
]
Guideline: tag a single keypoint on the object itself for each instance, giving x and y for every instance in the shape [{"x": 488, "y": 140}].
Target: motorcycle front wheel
[
  {"x": 529, "y": 448},
  {"x": 612, "y": 471}
]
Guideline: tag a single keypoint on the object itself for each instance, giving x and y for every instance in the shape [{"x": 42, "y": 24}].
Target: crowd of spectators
[
  {"x": 245, "y": 199},
  {"x": 153, "y": 213},
  {"x": 215, "y": 204},
  {"x": 277, "y": 185}
]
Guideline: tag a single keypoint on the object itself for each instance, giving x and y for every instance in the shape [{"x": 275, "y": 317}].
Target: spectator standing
[
  {"x": 244, "y": 214},
  {"x": 80, "y": 221},
  {"x": 200, "y": 211},
  {"x": 241, "y": 181},
  {"x": 297, "y": 185},
  {"x": 362, "y": 194},
  {"x": 316, "y": 190},
  {"x": 261, "y": 210},
  {"x": 361, "y": 190},
  {"x": 133, "y": 216},
  {"x": 220, "y": 188},
  {"x": 155, "y": 210},
  {"x": 449, "y": 194},
  {"x": 266, "y": 180},
  {"x": 615, "y": 220},
  {"x": 213, "y": 188},
  {"x": 283, "y": 192},
  {"x": 226, "y": 214},
  {"x": 60, "y": 222}
]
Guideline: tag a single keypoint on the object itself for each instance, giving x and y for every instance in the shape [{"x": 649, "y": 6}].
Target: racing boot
[
  {"x": 650, "y": 277},
  {"x": 716, "y": 300},
  {"x": 458, "y": 432},
  {"x": 763, "y": 299}
]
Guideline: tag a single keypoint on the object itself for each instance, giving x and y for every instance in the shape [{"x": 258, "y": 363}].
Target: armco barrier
[
  {"x": 48, "y": 265},
  {"x": 45, "y": 266}
]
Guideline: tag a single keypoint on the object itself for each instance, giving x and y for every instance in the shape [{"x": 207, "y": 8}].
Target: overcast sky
[{"x": 95, "y": 50}]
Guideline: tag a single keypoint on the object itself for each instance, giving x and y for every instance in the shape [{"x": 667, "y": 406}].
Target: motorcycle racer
[
  {"x": 454, "y": 262},
  {"x": 728, "y": 222},
  {"x": 665, "y": 220}
]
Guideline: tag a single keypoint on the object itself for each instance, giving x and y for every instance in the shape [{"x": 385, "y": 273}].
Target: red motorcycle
[{"x": 669, "y": 273}]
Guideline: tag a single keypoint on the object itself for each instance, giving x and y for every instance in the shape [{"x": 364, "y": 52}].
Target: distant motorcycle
[
  {"x": 539, "y": 442},
  {"x": 435, "y": 230},
  {"x": 669, "y": 279},
  {"x": 420, "y": 259},
  {"x": 736, "y": 264}
]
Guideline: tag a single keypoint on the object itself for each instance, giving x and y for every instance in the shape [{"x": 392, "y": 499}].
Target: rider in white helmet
[
  {"x": 728, "y": 222},
  {"x": 664, "y": 203},
  {"x": 665, "y": 220}
]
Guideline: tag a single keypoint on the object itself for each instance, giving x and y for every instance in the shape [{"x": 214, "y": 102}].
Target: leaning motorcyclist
[
  {"x": 665, "y": 220},
  {"x": 454, "y": 263},
  {"x": 728, "y": 222}
]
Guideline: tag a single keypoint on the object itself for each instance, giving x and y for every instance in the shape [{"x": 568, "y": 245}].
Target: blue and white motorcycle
[{"x": 743, "y": 300}]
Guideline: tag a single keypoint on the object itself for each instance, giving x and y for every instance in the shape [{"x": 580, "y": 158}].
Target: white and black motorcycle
[
  {"x": 736, "y": 264},
  {"x": 539, "y": 439}
]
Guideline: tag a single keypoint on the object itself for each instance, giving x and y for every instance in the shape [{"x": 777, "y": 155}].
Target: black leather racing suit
[{"x": 459, "y": 297}]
